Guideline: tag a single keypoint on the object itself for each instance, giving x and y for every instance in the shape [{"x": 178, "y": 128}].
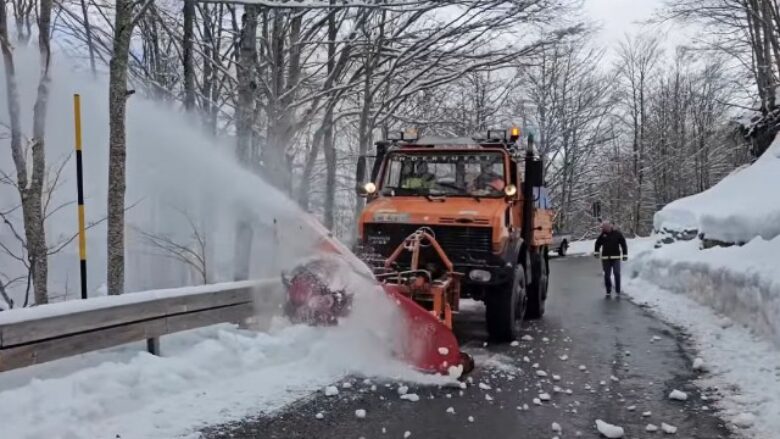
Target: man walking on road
[{"x": 611, "y": 247}]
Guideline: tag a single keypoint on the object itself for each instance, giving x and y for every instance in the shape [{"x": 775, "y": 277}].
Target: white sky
[{"x": 620, "y": 17}]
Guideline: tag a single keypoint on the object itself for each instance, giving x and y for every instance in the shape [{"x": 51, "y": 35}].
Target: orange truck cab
[{"x": 471, "y": 194}]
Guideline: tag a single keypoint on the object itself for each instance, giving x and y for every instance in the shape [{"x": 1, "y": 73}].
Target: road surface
[{"x": 631, "y": 363}]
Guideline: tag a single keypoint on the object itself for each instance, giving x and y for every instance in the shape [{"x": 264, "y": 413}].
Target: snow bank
[
  {"x": 740, "y": 282},
  {"x": 742, "y": 206},
  {"x": 212, "y": 375}
]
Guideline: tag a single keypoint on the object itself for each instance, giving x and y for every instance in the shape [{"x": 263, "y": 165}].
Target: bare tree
[
  {"x": 192, "y": 254},
  {"x": 124, "y": 21}
]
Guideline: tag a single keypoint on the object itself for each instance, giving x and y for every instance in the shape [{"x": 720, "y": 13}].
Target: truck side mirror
[
  {"x": 363, "y": 188},
  {"x": 360, "y": 174},
  {"x": 535, "y": 173}
]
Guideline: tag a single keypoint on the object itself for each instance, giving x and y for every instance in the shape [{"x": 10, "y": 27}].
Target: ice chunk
[
  {"x": 556, "y": 377},
  {"x": 402, "y": 390},
  {"x": 413, "y": 397},
  {"x": 347, "y": 385},
  {"x": 698, "y": 364},
  {"x": 678, "y": 395},
  {"x": 484, "y": 386},
  {"x": 527, "y": 337},
  {"x": 451, "y": 410},
  {"x": 319, "y": 415},
  {"x": 360, "y": 413},
  {"x": 647, "y": 414},
  {"x": 514, "y": 344},
  {"x": 537, "y": 401},
  {"x": 651, "y": 428},
  {"x": 631, "y": 408},
  {"x": 488, "y": 397},
  {"x": 556, "y": 427},
  {"x": 608, "y": 430},
  {"x": 407, "y": 434},
  {"x": 471, "y": 419},
  {"x": 583, "y": 368},
  {"x": 744, "y": 420},
  {"x": 544, "y": 396},
  {"x": 563, "y": 357},
  {"x": 668, "y": 429},
  {"x": 331, "y": 391},
  {"x": 541, "y": 373}
]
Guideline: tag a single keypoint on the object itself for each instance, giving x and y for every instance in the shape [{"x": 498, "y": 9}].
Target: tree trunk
[
  {"x": 117, "y": 101},
  {"x": 187, "y": 55},
  {"x": 245, "y": 112},
  {"x": 328, "y": 145}
]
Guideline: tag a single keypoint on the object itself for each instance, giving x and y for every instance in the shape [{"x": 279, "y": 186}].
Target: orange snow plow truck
[
  {"x": 444, "y": 219},
  {"x": 447, "y": 219}
]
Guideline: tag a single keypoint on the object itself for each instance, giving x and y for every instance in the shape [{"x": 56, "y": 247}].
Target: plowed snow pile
[
  {"x": 742, "y": 206},
  {"x": 708, "y": 291}
]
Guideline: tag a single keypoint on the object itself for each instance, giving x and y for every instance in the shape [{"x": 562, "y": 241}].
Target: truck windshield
[{"x": 476, "y": 174}]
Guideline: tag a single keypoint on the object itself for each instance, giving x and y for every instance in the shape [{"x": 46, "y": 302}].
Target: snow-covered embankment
[{"x": 727, "y": 298}]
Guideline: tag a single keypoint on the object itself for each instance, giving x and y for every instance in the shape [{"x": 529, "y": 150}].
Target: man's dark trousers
[{"x": 611, "y": 266}]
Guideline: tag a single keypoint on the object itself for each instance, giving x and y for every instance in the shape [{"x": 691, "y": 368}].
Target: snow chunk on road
[
  {"x": 331, "y": 391},
  {"x": 556, "y": 377},
  {"x": 583, "y": 368},
  {"x": 402, "y": 390},
  {"x": 541, "y": 373},
  {"x": 319, "y": 415},
  {"x": 514, "y": 344},
  {"x": 407, "y": 434},
  {"x": 678, "y": 395},
  {"x": 647, "y": 414},
  {"x": 413, "y": 397},
  {"x": 544, "y": 396},
  {"x": 651, "y": 428},
  {"x": 527, "y": 337},
  {"x": 537, "y": 401},
  {"x": 698, "y": 364},
  {"x": 471, "y": 419},
  {"x": 563, "y": 357},
  {"x": 556, "y": 427},
  {"x": 668, "y": 429},
  {"x": 744, "y": 420},
  {"x": 360, "y": 413},
  {"x": 484, "y": 386},
  {"x": 451, "y": 410},
  {"x": 608, "y": 430}
]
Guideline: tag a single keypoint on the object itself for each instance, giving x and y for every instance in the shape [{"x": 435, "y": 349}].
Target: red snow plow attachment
[{"x": 426, "y": 298}]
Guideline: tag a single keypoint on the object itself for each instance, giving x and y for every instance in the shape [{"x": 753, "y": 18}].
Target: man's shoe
[{"x": 609, "y": 294}]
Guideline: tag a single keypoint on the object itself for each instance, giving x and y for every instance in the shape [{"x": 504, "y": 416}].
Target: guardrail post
[{"x": 153, "y": 345}]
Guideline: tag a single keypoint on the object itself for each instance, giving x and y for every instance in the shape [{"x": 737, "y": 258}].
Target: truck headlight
[{"x": 480, "y": 275}]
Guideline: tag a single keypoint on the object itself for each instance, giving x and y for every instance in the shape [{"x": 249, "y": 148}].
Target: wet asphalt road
[{"x": 629, "y": 357}]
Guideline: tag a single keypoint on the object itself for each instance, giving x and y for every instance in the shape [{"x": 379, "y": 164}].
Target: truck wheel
[
  {"x": 537, "y": 290},
  {"x": 505, "y": 308},
  {"x": 563, "y": 248}
]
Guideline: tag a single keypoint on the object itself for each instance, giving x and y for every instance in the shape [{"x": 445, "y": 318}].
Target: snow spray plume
[{"x": 181, "y": 180}]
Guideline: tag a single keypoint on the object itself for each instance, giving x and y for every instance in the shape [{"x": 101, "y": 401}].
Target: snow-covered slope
[{"x": 742, "y": 206}]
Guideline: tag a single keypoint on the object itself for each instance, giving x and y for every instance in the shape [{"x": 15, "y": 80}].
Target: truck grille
[{"x": 462, "y": 245}]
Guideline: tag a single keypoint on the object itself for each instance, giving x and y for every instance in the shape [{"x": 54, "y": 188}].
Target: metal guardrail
[{"x": 59, "y": 335}]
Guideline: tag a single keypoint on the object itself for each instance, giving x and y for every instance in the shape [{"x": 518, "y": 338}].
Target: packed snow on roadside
[
  {"x": 740, "y": 207},
  {"x": 742, "y": 365},
  {"x": 207, "y": 376}
]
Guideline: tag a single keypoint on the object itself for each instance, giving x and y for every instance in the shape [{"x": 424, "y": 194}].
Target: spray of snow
[{"x": 218, "y": 374}]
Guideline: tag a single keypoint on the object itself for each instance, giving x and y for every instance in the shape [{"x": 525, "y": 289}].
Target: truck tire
[
  {"x": 563, "y": 249},
  {"x": 537, "y": 289},
  {"x": 505, "y": 307}
]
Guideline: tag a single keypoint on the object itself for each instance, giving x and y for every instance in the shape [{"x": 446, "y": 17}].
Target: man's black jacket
[{"x": 611, "y": 243}]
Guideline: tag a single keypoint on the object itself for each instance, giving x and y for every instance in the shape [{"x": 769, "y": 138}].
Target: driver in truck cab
[
  {"x": 417, "y": 177},
  {"x": 487, "y": 180}
]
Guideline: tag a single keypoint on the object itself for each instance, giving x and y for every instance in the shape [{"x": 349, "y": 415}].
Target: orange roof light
[{"x": 514, "y": 133}]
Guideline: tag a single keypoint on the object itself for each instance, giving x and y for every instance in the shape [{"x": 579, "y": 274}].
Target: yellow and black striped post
[{"x": 80, "y": 184}]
